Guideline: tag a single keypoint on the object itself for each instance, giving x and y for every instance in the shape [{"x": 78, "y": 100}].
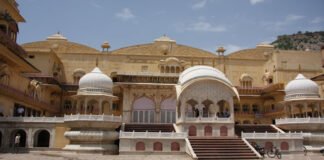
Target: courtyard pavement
[{"x": 58, "y": 155}]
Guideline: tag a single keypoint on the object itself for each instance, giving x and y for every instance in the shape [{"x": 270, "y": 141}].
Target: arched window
[
  {"x": 208, "y": 131},
  {"x": 268, "y": 145},
  {"x": 157, "y": 146},
  {"x": 140, "y": 146},
  {"x": 245, "y": 108},
  {"x": 77, "y": 74},
  {"x": 175, "y": 146},
  {"x": 192, "y": 131},
  {"x": 223, "y": 131},
  {"x": 284, "y": 146},
  {"x": 168, "y": 108},
  {"x": 143, "y": 110},
  {"x": 246, "y": 80},
  {"x": 255, "y": 108}
]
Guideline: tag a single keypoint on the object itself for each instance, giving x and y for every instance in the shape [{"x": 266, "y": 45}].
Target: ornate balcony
[{"x": 21, "y": 96}]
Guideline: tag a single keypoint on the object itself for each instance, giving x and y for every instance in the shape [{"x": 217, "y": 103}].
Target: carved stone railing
[
  {"x": 153, "y": 135},
  {"x": 91, "y": 135},
  {"x": 208, "y": 119},
  {"x": 278, "y": 135},
  {"x": 299, "y": 120},
  {"x": 89, "y": 117},
  {"x": 33, "y": 119}
]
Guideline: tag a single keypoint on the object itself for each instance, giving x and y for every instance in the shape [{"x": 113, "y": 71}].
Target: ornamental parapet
[
  {"x": 278, "y": 135},
  {"x": 89, "y": 117},
  {"x": 299, "y": 120},
  {"x": 33, "y": 119},
  {"x": 91, "y": 135},
  {"x": 207, "y": 120},
  {"x": 153, "y": 135}
]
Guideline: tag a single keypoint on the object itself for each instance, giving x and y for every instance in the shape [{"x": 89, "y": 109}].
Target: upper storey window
[
  {"x": 77, "y": 74},
  {"x": 246, "y": 80},
  {"x": 171, "y": 65}
]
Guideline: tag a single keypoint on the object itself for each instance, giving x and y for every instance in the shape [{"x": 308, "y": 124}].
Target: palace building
[{"x": 156, "y": 98}]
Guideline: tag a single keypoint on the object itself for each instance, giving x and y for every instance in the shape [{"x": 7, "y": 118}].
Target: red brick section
[
  {"x": 149, "y": 127},
  {"x": 221, "y": 148}
]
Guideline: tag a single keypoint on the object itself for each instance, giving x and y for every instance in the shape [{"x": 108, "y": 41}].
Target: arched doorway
[
  {"x": 143, "y": 110},
  {"x": 175, "y": 146},
  {"x": 208, "y": 131},
  {"x": 191, "y": 109},
  {"x": 0, "y": 139},
  {"x": 157, "y": 146},
  {"x": 168, "y": 108},
  {"x": 209, "y": 109},
  {"x": 192, "y": 131},
  {"x": 42, "y": 138},
  {"x": 140, "y": 146},
  {"x": 268, "y": 146},
  {"x": 284, "y": 146},
  {"x": 23, "y": 137},
  {"x": 223, "y": 131}
]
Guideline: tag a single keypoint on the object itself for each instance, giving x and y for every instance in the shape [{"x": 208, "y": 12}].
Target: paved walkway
[{"x": 56, "y": 155}]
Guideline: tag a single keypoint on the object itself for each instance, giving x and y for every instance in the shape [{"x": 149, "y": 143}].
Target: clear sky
[{"x": 204, "y": 24}]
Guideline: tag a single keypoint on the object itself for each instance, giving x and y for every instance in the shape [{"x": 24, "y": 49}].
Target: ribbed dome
[
  {"x": 95, "y": 82},
  {"x": 200, "y": 72},
  {"x": 301, "y": 87}
]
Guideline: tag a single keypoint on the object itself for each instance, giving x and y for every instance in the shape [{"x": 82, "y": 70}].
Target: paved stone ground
[{"x": 56, "y": 155}]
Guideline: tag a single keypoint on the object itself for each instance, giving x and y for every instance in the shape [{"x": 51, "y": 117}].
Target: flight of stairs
[
  {"x": 221, "y": 148},
  {"x": 149, "y": 128},
  {"x": 250, "y": 128}
]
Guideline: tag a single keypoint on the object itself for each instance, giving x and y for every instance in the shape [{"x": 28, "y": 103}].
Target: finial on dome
[{"x": 97, "y": 62}]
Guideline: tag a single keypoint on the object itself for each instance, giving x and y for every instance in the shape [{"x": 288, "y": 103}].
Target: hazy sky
[{"x": 205, "y": 24}]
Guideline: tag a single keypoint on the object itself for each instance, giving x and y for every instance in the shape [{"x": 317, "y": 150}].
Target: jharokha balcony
[{"x": 28, "y": 99}]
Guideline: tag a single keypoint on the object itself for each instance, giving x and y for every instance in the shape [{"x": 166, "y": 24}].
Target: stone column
[
  {"x": 30, "y": 138},
  {"x": 77, "y": 106},
  {"x": 100, "y": 105},
  {"x": 111, "y": 106},
  {"x": 85, "y": 105},
  {"x": 305, "y": 109},
  {"x": 183, "y": 109}
]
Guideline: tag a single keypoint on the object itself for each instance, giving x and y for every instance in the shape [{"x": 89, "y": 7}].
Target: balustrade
[{"x": 153, "y": 135}]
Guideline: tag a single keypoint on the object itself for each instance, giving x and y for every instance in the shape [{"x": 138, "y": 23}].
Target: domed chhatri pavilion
[{"x": 157, "y": 98}]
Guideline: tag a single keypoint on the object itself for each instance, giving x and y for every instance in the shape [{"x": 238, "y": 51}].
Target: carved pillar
[
  {"x": 85, "y": 104},
  {"x": 77, "y": 106},
  {"x": 305, "y": 109},
  {"x": 231, "y": 107},
  {"x": 100, "y": 105},
  {"x": 111, "y": 106}
]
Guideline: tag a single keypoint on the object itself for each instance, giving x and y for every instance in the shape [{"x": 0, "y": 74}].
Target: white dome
[
  {"x": 301, "y": 87},
  {"x": 95, "y": 82},
  {"x": 201, "y": 72}
]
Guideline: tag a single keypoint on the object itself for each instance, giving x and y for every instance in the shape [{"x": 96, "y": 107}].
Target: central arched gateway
[{"x": 143, "y": 110}]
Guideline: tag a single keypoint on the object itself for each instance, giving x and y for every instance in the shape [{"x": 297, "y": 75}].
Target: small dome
[
  {"x": 164, "y": 38},
  {"x": 95, "y": 82},
  {"x": 57, "y": 36},
  {"x": 200, "y": 72},
  {"x": 301, "y": 87}
]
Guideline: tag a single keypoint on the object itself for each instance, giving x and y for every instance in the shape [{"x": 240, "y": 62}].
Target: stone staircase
[
  {"x": 221, "y": 148},
  {"x": 250, "y": 128},
  {"x": 149, "y": 127}
]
